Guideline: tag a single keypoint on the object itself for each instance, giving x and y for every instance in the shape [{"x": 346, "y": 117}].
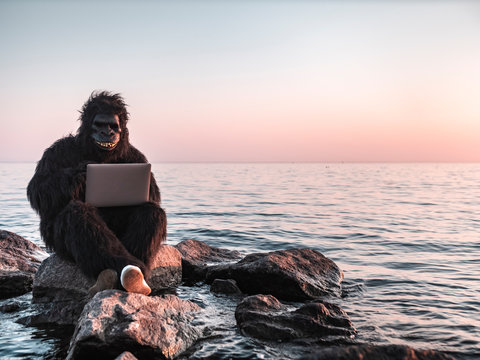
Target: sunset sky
[{"x": 248, "y": 80}]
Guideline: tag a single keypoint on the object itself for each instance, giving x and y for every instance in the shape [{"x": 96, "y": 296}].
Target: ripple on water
[{"x": 405, "y": 235}]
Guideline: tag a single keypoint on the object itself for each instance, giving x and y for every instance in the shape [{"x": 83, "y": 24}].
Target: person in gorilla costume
[{"x": 103, "y": 242}]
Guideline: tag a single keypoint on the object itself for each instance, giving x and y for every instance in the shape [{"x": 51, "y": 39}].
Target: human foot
[
  {"x": 132, "y": 280},
  {"x": 107, "y": 279}
]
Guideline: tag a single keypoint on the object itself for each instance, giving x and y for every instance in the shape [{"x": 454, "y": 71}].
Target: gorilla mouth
[{"x": 106, "y": 145}]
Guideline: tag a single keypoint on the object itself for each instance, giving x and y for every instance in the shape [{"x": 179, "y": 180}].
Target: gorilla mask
[
  {"x": 106, "y": 131},
  {"x": 103, "y": 132}
]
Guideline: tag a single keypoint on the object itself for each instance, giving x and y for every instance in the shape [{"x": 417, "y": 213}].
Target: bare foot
[
  {"x": 107, "y": 279},
  {"x": 132, "y": 280}
]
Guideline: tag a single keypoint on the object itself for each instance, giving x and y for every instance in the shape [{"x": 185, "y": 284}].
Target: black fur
[{"x": 94, "y": 238}]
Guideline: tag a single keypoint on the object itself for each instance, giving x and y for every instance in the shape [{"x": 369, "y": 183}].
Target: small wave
[
  {"x": 415, "y": 203},
  {"x": 204, "y": 213}
]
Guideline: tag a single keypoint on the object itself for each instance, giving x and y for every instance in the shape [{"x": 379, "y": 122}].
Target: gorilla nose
[{"x": 108, "y": 131}]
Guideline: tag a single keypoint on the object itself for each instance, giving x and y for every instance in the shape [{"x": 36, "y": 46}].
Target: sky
[{"x": 293, "y": 81}]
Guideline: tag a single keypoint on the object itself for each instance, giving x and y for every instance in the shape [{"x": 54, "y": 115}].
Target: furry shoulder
[
  {"x": 62, "y": 152},
  {"x": 135, "y": 156}
]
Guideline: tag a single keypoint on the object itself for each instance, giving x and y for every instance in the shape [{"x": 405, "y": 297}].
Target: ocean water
[{"x": 407, "y": 237}]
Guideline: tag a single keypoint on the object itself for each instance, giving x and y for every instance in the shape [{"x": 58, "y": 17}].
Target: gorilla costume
[{"x": 96, "y": 239}]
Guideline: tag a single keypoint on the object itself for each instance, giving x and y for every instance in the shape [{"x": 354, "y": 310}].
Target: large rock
[
  {"x": 166, "y": 269},
  {"x": 197, "y": 256},
  {"x": 296, "y": 274},
  {"x": 62, "y": 289},
  {"x": 19, "y": 261},
  {"x": 264, "y": 317},
  {"x": 148, "y": 327},
  {"x": 376, "y": 352}
]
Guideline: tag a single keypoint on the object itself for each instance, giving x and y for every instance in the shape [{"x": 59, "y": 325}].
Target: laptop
[{"x": 117, "y": 184}]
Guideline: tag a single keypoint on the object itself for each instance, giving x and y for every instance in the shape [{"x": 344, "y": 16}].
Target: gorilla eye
[{"x": 115, "y": 127}]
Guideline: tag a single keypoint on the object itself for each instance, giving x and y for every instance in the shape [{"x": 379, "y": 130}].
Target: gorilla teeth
[{"x": 106, "y": 144}]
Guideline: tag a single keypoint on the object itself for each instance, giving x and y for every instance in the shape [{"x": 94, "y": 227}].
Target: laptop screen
[{"x": 117, "y": 184}]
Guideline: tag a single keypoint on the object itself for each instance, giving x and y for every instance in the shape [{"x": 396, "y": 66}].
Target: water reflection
[{"x": 406, "y": 236}]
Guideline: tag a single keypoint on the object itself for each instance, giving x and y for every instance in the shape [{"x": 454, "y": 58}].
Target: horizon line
[{"x": 284, "y": 162}]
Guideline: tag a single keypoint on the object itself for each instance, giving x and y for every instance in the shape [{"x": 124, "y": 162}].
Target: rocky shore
[
  {"x": 285, "y": 296},
  {"x": 19, "y": 261}
]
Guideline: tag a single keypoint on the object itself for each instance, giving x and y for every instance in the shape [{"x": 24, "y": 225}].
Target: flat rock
[
  {"x": 146, "y": 326},
  {"x": 264, "y": 317},
  {"x": 19, "y": 261},
  {"x": 294, "y": 275},
  {"x": 376, "y": 352},
  {"x": 197, "y": 256},
  {"x": 62, "y": 289}
]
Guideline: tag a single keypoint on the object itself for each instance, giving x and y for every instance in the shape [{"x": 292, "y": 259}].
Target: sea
[{"x": 406, "y": 235}]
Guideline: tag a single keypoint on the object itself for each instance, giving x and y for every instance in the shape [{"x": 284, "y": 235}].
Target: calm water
[{"x": 406, "y": 236}]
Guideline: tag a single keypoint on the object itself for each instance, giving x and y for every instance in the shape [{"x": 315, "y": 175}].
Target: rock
[
  {"x": 126, "y": 356},
  {"x": 15, "y": 304},
  {"x": 10, "y": 307},
  {"x": 14, "y": 283},
  {"x": 197, "y": 255},
  {"x": 166, "y": 269},
  {"x": 58, "y": 279},
  {"x": 62, "y": 289},
  {"x": 19, "y": 261},
  {"x": 225, "y": 287},
  {"x": 264, "y": 317},
  {"x": 294, "y": 275},
  {"x": 149, "y": 327},
  {"x": 376, "y": 352}
]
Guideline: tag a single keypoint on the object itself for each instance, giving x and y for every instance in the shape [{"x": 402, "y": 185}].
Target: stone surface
[
  {"x": 147, "y": 326},
  {"x": 197, "y": 255},
  {"x": 126, "y": 356},
  {"x": 225, "y": 287},
  {"x": 19, "y": 261},
  {"x": 166, "y": 269},
  {"x": 296, "y": 274},
  {"x": 264, "y": 317},
  {"x": 60, "y": 289},
  {"x": 15, "y": 304},
  {"x": 376, "y": 352}
]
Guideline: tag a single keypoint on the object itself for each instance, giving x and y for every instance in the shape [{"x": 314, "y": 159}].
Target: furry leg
[
  {"x": 83, "y": 236},
  {"x": 145, "y": 232}
]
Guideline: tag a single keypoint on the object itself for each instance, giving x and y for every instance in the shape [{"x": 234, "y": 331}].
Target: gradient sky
[{"x": 248, "y": 80}]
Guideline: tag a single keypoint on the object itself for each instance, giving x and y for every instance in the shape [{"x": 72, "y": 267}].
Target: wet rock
[
  {"x": 296, "y": 274},
  {"x": 264, "y": 317},
  {"x": 166, "y": 269},
  {"x": 15, "y": 304},
  {"x": 148, "y": 327},
  {"x": 225, "y": 287},
  {"x": 376, "y": 352},
  {"x": 60, "y": 289},
  {"x": 126, "y": 356},
  {"x": 10, "y": 307},
  {"x": 19, "y": 261},
  {"x": 197, "y": 255}
]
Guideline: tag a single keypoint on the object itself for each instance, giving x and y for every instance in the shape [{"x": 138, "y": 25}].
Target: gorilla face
[{"x": 106, "y": 131}]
